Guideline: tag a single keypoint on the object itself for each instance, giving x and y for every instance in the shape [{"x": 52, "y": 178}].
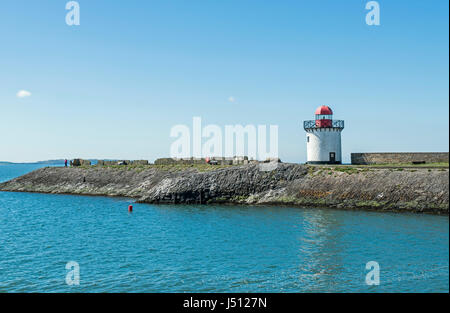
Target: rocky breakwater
[{"x": 396, "y": 189}]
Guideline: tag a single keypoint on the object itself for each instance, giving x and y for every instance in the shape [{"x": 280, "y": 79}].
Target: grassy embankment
[
  {"x": 163, "y": 167},
  {"x": 345, "y": 168},
  {"x": 356, "y": 169}
]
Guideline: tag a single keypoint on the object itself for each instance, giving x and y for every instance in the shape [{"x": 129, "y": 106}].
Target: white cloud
[
  {"x": 232, "y": 99},
  {"x": 23, "y": 94}
]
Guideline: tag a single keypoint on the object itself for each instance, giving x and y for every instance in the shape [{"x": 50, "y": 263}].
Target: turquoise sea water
[{"x": 164, "y": 248}]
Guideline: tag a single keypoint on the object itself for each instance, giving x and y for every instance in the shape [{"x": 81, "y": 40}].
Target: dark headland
[{"x": 403, "y": 189}]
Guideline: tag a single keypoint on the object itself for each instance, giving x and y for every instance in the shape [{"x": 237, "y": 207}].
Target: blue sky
[{"x": 114, "y": 86}]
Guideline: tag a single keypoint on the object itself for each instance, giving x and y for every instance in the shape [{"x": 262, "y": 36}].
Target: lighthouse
[{"x": 323, "y": 138}]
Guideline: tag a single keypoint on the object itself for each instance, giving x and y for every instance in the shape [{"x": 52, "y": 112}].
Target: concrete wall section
[{"x": 399, "y": 157}]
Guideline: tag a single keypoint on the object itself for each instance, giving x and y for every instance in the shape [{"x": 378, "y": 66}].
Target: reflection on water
[{"x": 319, "y": 250}]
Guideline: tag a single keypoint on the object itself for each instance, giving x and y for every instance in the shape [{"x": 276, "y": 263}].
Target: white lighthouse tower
[{"x": 323, "y": 138}]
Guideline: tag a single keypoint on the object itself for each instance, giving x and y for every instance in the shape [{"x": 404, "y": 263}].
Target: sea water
[{"x": 197, "y": 248}]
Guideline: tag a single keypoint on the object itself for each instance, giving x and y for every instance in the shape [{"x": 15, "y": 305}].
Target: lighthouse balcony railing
[{"x": 312, "y": 124}]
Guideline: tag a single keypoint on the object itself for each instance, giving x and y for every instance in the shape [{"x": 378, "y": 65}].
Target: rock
[
  {"x": 80, "y": 162},
  {"x": 260, "y": 183}
]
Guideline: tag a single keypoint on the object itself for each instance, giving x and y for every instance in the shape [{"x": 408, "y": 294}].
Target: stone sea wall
[
  {"x": 395, "y": 189},
  {"x": 126, "y": 162},
  {"x": 236, "y": 160},
  {"x": 399, "y": 157}
]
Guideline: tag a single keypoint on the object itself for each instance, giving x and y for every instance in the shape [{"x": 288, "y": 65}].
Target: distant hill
[{"x": 58, "y": 161}]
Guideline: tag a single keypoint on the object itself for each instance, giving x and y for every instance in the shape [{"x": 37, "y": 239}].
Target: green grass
[
  {"x": 442, "y": 164},
  {"x": 351, "y": 167},
  {"x": 347, "y": 170},
  {"x": 317, "y": 170},
  {"x": 314, "y": 169}
]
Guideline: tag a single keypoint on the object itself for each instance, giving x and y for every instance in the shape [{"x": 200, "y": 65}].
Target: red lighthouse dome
[
  {"x": 324, "y": 116},
  {"x": 324, "y": 110}
]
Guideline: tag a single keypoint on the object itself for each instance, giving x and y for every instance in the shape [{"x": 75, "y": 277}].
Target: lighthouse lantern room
[{"x": 323, "y": 137}]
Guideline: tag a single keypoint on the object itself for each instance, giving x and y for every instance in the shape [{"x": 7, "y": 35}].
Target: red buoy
[{"x": 130, "y": 208}]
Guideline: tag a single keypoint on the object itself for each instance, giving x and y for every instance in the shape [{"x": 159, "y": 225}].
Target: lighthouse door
[{"x": 332, "y": 157}]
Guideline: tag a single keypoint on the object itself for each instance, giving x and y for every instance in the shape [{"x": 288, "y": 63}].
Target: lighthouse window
[
  {"x": 323, "y": 117},
  {"x": 307, "y": 138}
]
